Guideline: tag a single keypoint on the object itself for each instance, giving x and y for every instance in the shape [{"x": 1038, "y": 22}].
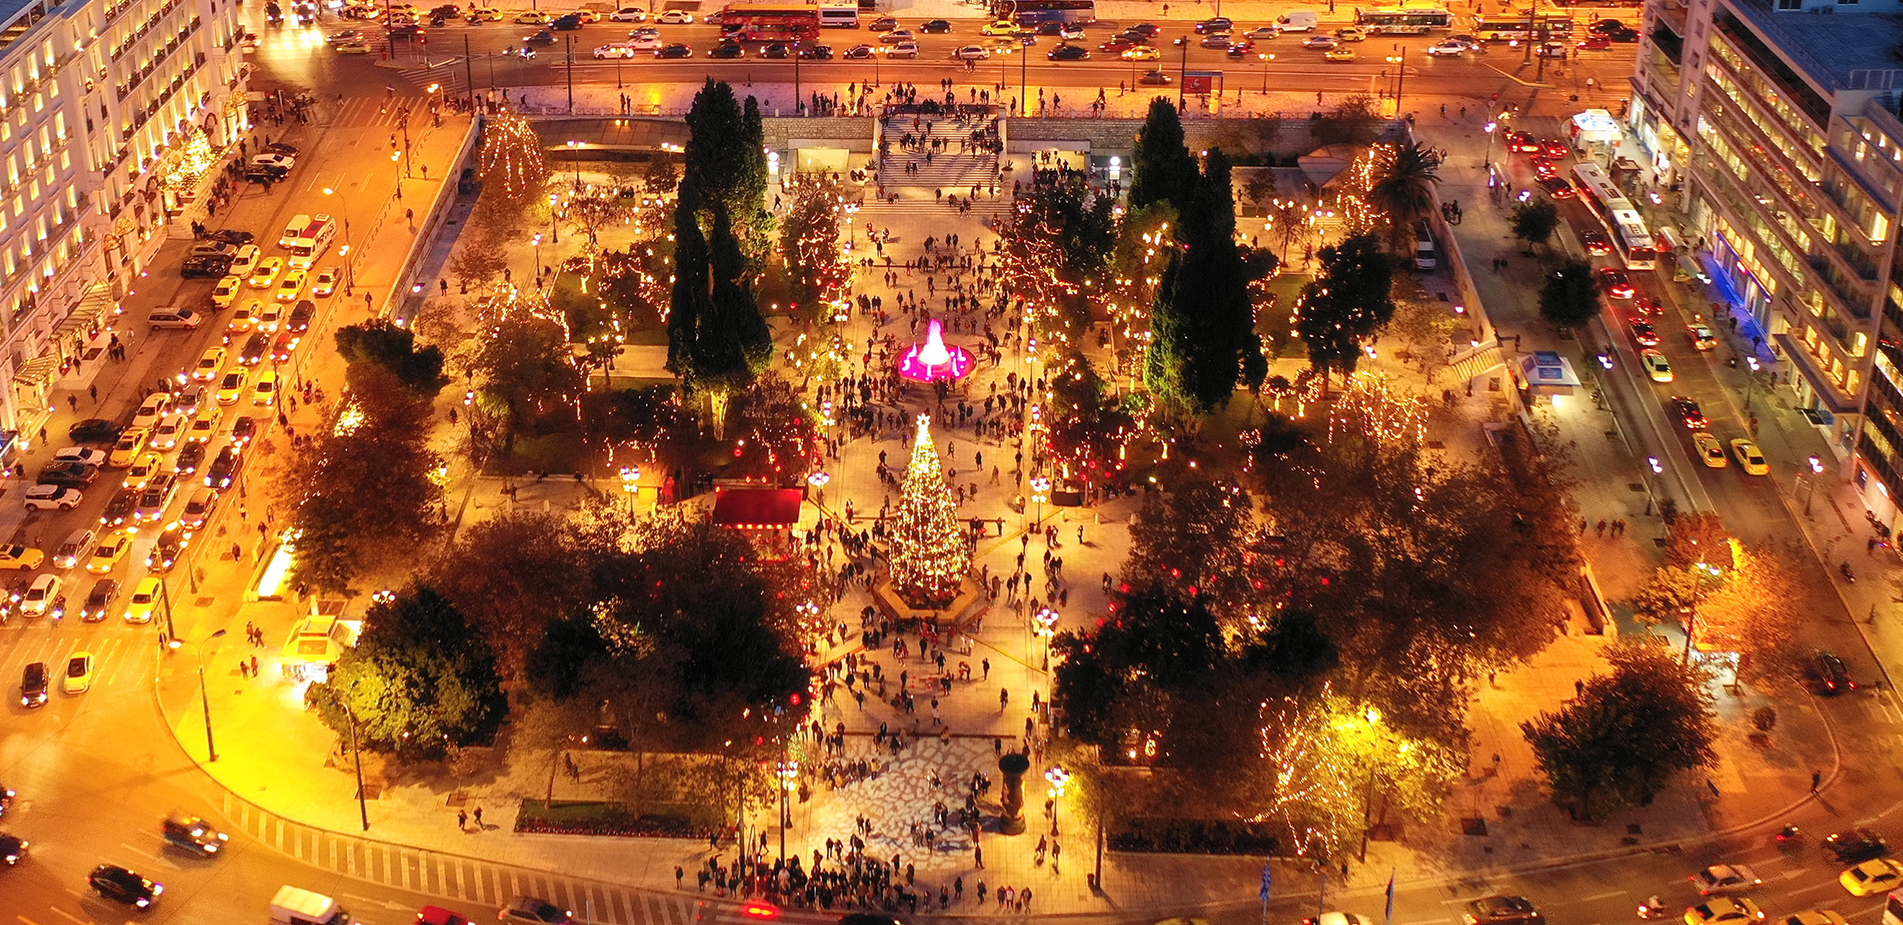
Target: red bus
[{"x": 770, "y": 22}]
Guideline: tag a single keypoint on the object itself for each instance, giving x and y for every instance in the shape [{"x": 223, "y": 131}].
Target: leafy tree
[
  {"x": 590, "y": 213},
  {"x": 1088, "y": 426},
  {"x": 1404, "y": 187},
  {"x": 525, "y": 373},
  {"x": 1349, "y": 302},
  {"x": 393, "y": 349},
  {"x": 1199, "y": 540},
  {"x": 697, "y": 629},
  {"x": 479, "y": 259},
  {"x": 691, "y": 299},
  {"x": 1354, "y": 121},
  {"x": 1203, "y": 322},
  {"x": 1755, "y": 612},
  {"x": 1534, "y": 222},
  {"x": 363, "y": 490},
  {"x": 1161, "y": 168},
  {"x": 1063, "y": 235},
  {"x": 816, "y": 267},
  {"x": 1698, "y": 537},
  {"x": 1570, "y": 298},
  {"x": 725, "y": 163},
  {"x": 1288, "y": 223},
  {"x": 1627, "y": 734},
  {"x": 419, "y": 681},
  {"x": 514, "y": 576}
]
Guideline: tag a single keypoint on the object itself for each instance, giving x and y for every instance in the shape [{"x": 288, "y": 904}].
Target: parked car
[{"x": 52, "y": 498}]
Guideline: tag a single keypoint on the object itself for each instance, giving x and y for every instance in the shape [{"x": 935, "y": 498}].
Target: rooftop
[{"x": 1841, "y": 51}]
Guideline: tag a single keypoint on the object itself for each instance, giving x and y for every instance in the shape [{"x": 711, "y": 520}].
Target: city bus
[
  {"x": 1621, "y": 218},
  {"x": 1038, "y": 12},
  {"x": 1516, "y": 29},
  {"x": 839, "y": 15},
  {"x": 1404, "y": 20},
  {"x": 770, "y": 22}
]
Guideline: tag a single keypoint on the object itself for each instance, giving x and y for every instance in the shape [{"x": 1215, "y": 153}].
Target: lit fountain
[{"x": 934, "y": 360}]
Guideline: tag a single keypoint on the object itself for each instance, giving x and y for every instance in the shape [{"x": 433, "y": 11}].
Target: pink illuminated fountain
[{"x": 935, "y": 360}]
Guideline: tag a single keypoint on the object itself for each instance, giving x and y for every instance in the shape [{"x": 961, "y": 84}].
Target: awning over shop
[
  {"x": 97, "y": 303},
  {"x": 38, "y": 371},
  {"x": 757, "y": 508}
]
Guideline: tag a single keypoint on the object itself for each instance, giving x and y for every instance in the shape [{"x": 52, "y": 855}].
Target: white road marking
[
  {"x": 66, "y": 915},
  {"x": 1598, "y": 896}
]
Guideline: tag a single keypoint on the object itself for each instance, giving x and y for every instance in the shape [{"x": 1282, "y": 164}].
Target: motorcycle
[
  {"x": 1849, "y": 575},
  {"x": 1654, "y": 909},
  {"x": 1787, "y": 834}
]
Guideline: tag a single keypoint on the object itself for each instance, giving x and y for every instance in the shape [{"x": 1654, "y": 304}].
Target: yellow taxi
[
  {"x": 226, "y": 292},
  {"x": 1001, "y": 27},
  {"x": 1339, "y": 54},
  {"x": 231, "y": 388},
  {"x": 143, "y": 470},
  {"x": 1710, "y": 452},
  {"x": 131, "y": 441},
  {"x": 111, "y": 548},
  {"x": 209, "y": 363},
  {"x": 266, "y": 272},
  {"x": 1750, "y": 458},
  {"x": 290, "y": 288}
]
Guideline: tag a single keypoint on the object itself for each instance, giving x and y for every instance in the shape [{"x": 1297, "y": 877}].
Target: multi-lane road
[{"x": 459, "y": 55}]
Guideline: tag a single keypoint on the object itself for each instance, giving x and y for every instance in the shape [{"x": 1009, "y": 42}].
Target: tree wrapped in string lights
[
  {"x": 929, "y": 553},
  {"x": 513, "y": 167}
]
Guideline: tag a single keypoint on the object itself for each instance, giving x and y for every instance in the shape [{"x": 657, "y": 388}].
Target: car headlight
[{"x": 211, "y": 848}]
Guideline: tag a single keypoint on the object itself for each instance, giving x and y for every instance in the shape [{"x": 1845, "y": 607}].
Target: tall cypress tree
[
  {"x": 1162, "y": 168},
  {"x": 1203, "y": 322},
  {"x": 739, "y": 325},
  {"x": 688, "y": 301}
]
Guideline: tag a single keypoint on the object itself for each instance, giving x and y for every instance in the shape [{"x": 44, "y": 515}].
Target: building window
[{"x": 1790, "y": 4}]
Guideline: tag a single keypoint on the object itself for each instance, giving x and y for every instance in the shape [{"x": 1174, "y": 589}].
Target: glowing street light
[
  {"x": 1059, "y": 780},
  {"x": 631, "y": 483}
]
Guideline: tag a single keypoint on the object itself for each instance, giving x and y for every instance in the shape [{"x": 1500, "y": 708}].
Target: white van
[
  {"x": 312, "y": 242},
  {"x": 292, "y": 906},
  {"x": 1424, "y": 256},
  {"x": 293, "y": 231},
  {"x": 173, "y": 318},
  {"x": 1297, "y": 21}
]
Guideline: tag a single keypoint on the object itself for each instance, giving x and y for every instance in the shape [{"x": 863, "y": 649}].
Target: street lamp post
[
  {"x": 204, "y": 699},
  {"x": 1059, "y": 779},
  {"x": 1266, "y": 58},
  {"x": 554, "y": 230},
  {"x": 350, "y": 275},
  {"x": 537, "y": 241},
  {"x": 631, "y": 483},
  {"x": 1399, "y": 60},
  {"x": 1040, "y": 493},
  {"x": 574, "y": 154}
]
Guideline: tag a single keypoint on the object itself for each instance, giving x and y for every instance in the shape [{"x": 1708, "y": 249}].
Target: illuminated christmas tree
[{"x": 929, "y": 553}]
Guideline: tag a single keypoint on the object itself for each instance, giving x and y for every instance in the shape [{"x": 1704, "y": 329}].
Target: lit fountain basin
[{"x": 934, "y": 360}]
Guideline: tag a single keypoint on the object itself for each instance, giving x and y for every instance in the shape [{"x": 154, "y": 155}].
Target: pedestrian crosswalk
[
  {"x": 121, "y": 658},
  {"x": 454, "y": 877}
]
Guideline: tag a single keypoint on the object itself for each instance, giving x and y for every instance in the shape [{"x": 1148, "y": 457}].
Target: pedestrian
[
  {"x": 680, "y": 878},
  {"x": 254, "y": 666},
  {"x": 462, "y": 821},
  {"x": 244, "y": 671},
  {"x": 1816, "y": 778},
  {"x": 1004, "y": 698},
  {"x": 478, "y": 818},
  {"x": 987, "y": 666},
  {"x": 72, "y": 401},
  {"x": 978, "y": 858},
  {"x": 237, "y": 553}
]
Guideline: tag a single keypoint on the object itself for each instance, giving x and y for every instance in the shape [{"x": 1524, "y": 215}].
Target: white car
[
  {"x": 629, "y": 14},
  {"x": 675, "y": 18},
  {"x": 1320, "y": 41},
  {"x": 92, "y": 456},
  {"x": 903, "y": 50},
  {"x": 1720, "y": 879},
  {"x": 326, "y": 282},
  {"x": 273, "y": 159},
  {"x": 615, "y": 50},
  {"x": 40, "y": 595},
  {"x": 972, "y": 53},
  {"x": 1447, "y": 49},
  {"x": 246, "y": 260},
  {"x": 52, "y": 498},
  {"x": 643, "y": 41}
]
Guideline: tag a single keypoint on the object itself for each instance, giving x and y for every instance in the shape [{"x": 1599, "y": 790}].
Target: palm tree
[{"x": 1404, "y": 190}]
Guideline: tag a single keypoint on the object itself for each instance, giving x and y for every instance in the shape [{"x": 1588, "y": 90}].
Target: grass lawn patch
[
  {"x": 562, "y": 453},
  {"x": 585, "y": 817}
]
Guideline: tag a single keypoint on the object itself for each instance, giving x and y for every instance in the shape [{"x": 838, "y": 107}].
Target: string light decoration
[
  {"x": 513, "y": 165},
  {"x": 187, "y": 164},
  {"x": 1368, "y": 407},
  {"x": 929, "y": 553},
  {"x": 1350, "y": 202},
  {"x": 817, "y": 269}
]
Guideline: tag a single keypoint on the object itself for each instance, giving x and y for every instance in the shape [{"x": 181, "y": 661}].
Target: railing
[
  {"x": 144, "y": 27},
  {"x": 159, "y": 57}
]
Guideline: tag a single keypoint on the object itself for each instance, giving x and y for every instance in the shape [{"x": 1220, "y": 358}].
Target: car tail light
[{"x": 757, "y": 910}]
